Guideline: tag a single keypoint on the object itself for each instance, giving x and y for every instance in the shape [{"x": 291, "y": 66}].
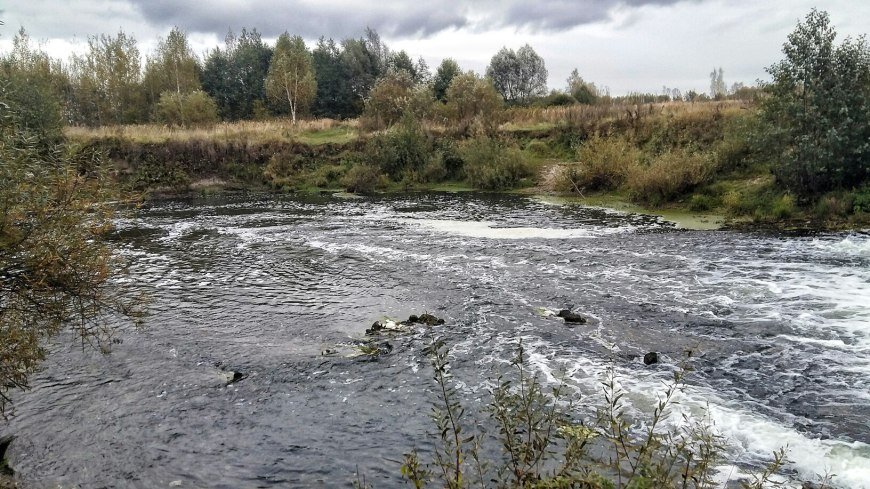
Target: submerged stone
[{"x": 651, "y": 358}]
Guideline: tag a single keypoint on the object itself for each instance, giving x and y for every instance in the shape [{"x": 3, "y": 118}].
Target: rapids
[{"x": 780, "y": 327}]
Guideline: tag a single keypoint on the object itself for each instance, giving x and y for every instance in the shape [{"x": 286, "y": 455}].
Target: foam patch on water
[
  {"x": 759, "y": 437},
  {"x": 853, "y": 245},
  {"x": 488, "y": 230}
]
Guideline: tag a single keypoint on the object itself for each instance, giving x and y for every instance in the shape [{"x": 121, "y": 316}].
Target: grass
[
  {"x": 319, "y": 131},
  {"x": 341, "y": 134}
]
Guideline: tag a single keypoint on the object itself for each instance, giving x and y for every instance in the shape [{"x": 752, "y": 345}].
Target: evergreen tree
[
  {"x": 447, "y": 70},
  {"x": 235, "y": 76}
]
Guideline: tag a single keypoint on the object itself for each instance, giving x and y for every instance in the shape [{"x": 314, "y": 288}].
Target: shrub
[
  {"x": 393, "y": 97},
  {"x": 404, "y": 148},
  {"x": 783, "y": 207},
  {"x": 544, "y": 443},
  {"x": 283, "y": 169},
  {"x": 701, "y": 203},
  {"x": 861, "y": 200},
  {"x": 435, "y": 170},
  {"x": 539, "y": 149},
  {"x": 363, "y": 178},
  {"x": 327, "y": 175},
  {"x": 152, "y": 174},
  {"x": 472, "y": 102},
  {"x": 605, "y": 163},
  {"x": 491, "y": 165},
  {"x": 191, "y": 109},
  {"x": 668, "y": 176}
]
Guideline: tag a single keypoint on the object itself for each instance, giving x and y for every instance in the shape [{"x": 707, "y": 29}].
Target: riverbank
[{"x": 690, "y": 162}]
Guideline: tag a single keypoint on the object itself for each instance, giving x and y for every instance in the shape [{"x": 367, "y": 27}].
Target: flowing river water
[{"x": 780, "y": 327}]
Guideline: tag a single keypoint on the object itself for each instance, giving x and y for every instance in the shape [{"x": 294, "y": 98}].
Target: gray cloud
[
  {"x": 392, "y": 18},
  {"x": 310, "y": 19}
]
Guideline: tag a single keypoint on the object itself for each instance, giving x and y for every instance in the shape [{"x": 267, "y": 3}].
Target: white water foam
[{"x": 488, "y": 230}]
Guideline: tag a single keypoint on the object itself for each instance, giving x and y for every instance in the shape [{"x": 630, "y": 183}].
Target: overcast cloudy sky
[{"x": 626, "y": 45}]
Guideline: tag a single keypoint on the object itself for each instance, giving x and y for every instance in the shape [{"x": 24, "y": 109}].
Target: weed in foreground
[{"x": 540, "y": 441}]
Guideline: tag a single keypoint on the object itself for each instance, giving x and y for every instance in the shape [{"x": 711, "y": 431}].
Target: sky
[{"x": 624, "y": 45}]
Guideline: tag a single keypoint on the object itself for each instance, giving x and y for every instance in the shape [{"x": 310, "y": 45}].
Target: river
[{"x": 263, "y": 285}]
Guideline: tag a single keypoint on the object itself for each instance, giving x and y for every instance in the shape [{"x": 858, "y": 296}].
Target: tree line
[{"x": 247, "y": 78}]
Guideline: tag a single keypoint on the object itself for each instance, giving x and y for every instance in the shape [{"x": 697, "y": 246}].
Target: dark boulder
[
  {"x": 5, "y": 469},
  {"x": 651, "y": 358},
  {"x": 571, "y": 317},
  {"x": 376, "y": 327},
  {"x": 428, "y": 320}
]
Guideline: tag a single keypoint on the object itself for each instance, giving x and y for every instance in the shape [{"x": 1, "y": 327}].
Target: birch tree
[{"x": 291, "y": 75}]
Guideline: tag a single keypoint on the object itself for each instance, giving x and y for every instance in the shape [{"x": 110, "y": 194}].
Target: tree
[
  {"x": 363, "y": 66},
  {"x": 519, "y": 75},
  {"x": 445, "y": 73},
  {"x": 818, "y": 109},
  {"x": 471, "y": 99},
  {"x": 334, "y": 97},
  {"x": 418, "y": 71},
  {"x": 56, "y": 268},
  {"x": 235, "y": 76},
  {"x": 107, "y": 81},
  {"x": 291, "y": 77},
  {"x": 173, "y": 68},
  {"x": 583, "y": 92},
  {"x": 37, "y": 85},
  {"x": 718, "y": 88},
  {"x": 394, "y": 96}
]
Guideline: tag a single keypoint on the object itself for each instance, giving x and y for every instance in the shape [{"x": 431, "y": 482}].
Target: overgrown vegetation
[
  {"x": 535, "y": 436},
  {"x": 56, "y": 268}
]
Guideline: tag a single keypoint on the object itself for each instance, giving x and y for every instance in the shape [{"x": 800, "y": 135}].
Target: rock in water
[
  {"x": 429, "y": 320},
  {"x": 571, "y": 317},
  {"x": 4, "y": 445},
  {"x": 651, "y": 358},
  {"x": 232, "y": 376}
]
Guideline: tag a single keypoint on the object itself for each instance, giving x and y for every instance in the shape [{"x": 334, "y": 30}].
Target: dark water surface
[{"x": 262, "y": 285}]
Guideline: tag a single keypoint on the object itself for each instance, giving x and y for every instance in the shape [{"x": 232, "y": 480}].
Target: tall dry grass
[
  {"x": 583, "y": 115},
  {"x": 272, "y": 130}
]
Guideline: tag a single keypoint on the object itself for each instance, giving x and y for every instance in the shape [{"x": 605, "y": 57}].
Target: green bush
[
  {"x": 861, "y": 200},
  {"x": 404, "y": 148},
  {"x": 283, "y": 170},
  {"x": 539, "y": 149},
  {"x": 701, "y": 203},
  {"x": 153, "y": 174},
  {"x": 188, "y": 109},
  {"x": 491, "y": 165},
  {"x": 435, "y": 170},
  {"x": 363, "y": 178},
  {"x": 783, "y": 207},
  {"x": 325, "y": 176}
]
